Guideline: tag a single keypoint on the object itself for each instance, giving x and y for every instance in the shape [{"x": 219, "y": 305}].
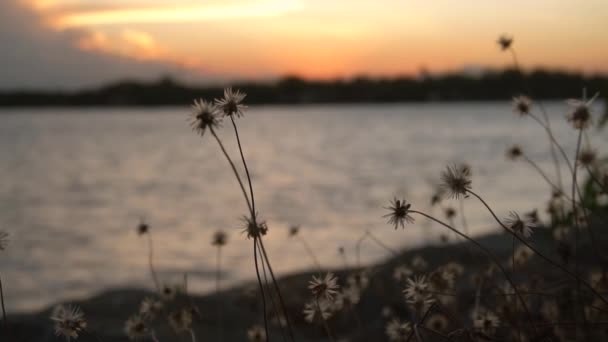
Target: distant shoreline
[{"x": 448, "y": 88}]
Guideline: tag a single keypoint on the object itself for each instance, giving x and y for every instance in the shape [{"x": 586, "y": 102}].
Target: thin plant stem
[
  {"x": 310, "y": 253},
  {"x": 428, "y": 311},
  {"x": 465, "y": 225},
  {"x": 545, "y": 116},
  {"x": 151, "y": 262},
  {"x": 238, "y": 140},
  {"x": 576, "y": 231},
  {"x": 217, "y": 291},
  {"x": 278, "y": 290},
  {"x": 484, "y": 250},
  {"x": 603, "y": 187},
  {"x": 537, "y": 252},
  {"x": 325, "y": 325},
  {"x": 257, "y": 272},
  {"x": 192, "y": 335},
  {"x": 272, "y": 301},
  {"x": 153, "y": 337},
  {"x": 381, "y": 244},
  {"x": 541, "y": 172},
  {"x": 3, "y": 309},
  {"x": 236, "y": 173}
]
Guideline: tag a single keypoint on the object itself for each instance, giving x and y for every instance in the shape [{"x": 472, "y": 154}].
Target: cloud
[{"x": 33, "y": 56}]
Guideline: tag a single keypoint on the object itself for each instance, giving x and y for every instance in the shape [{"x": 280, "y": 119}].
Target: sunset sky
[{"x": 73, "y": 43}]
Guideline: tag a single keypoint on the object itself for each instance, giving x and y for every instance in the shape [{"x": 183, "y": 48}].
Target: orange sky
[{"x": 335, "y": 38}]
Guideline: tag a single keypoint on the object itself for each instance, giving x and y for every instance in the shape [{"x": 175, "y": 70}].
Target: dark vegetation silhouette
[{"x": 491, "y": 85}]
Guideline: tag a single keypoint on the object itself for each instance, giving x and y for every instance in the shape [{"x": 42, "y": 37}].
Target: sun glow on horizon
[{"x": 320, "y": 39}]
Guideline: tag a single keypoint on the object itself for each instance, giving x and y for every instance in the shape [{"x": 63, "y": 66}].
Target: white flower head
[
  {"x": 136, "y": 328},
  {"x": 150, "y": 308},
  {"x": 204, "y": 115},
  {"x": 520, "y": 226},
  {"x": 256, "y": 334},
  {"x": 326, "y": 287},
  {"x": 580, "y": 113},
  {"x": 3, "y": 240},
  {"x": 415, "y": 287},
  {"x": 69, "y": 321},
  {"x": 231, "y": 104},
  {"x": 317, "y": 309},
  {"x": 398, "y": 331}
]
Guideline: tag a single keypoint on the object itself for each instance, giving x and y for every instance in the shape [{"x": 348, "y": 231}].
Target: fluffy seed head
[
  {"x": 142, "y": 228},
  {"x": 150, "y": 308},
  {"x": 3, "y": 240},
  {"x": 456, "y": 180},
  {"x": 580, "y": 113},
  {"x": 514, "y": 152},
  {"x": 504, "y": 42},
  {"x": 486, "y": 321},
  {"x": 317, "y": 309},
  {"x": 69, "y": 321},
  {"x": 181, "y": 320},
  {"x": 520, "y": 226},
  {"x": 398, "y": 331},
  {"x": 231, "y": 104},
  {"x": 254, "y": 228},
  {"x": 256, "y": 334},
  {"x": 219, "y": 238},
  {"x": 521, "y": 105},
  {"x": 293, "y": 230},
  {"x": 399, "y": 213},
  {"x": 204, "y": 115},
  {"x": 136, "y": 328},
  {"x": 587, "y": 157}
]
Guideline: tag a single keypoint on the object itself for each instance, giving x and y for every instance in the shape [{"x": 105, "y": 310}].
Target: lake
[{"x": 75, "y": 183}]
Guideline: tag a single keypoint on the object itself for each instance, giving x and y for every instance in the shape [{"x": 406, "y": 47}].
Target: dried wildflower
[
  {"x": 359, "y": 279},
  {"x": 317, "y": 309},
  {"x": 399, "y": 213},
  {"x": 204, "y": 115},
  {"x": 587, "y": 157},
  {"x": 514, "y": 152},
  {"x": 3, "y": 240},
  {"x": 69, "y": 321},
  {"x": 401, "y": 273},
  {"x": 441, "y": 280},
  {"x": 419, "y": 263},
  {"x": 293, "y": 230},
  {"x": 219, "y": 238},
  {"x": 450, "y": 213},
  {"x": 325, "y": 287},
  {"x": 436, "y": 199},
  {"x": 521, "y": 105},
  {"x": 136, "y": 328},
  {"x": 437, "y": 322},
  {"x": 522, "y": 254},
  {"x": 347, "y": 298},
  {"x": 181, "y": 320},
  {"x": 230, "y": 104},
  {"x": 486, "y": 321},
  {"x": 169, "y": 292},
  {"x": 504, "y": 42},
  {"x": 256, "y": 334},
  {"x": 455, "y": 268},
  {"x": 254, "y": 228},
  {"x": 580, "y": 115},
  {"x": 519, "y": 226},
  {"x": 150, "y": 308},
  {"x": 142, "y": 228},
  {"x": 415, "y": 287},
  {"x": 532, "y": 216},
  {"x": 456, "y": 180},
  {"x": 420, "y": 303},
  {"x": 398, "y": 331}
]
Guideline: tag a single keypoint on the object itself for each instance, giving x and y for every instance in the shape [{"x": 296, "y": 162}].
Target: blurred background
[{"x": 350, "y": 104}]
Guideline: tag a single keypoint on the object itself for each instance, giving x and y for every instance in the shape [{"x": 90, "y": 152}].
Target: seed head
[
  {"x": 486, "y": 321},
  {"x": 204, "y": 115},
  {"x": 398, "y": 331},
  {"x": 504, "y": 42},
  {"x": 415, "y": 287},
  {"x": 580, "y": 113},
  {"x": 450, "y": 213},
  {"x": 514, "y": 152},
  {"x": 325, "y": 287},
  {"x": 519, "y": 226},
  {"x": 438, "y": 322},
  {"x": 69, "y": 321},
  {"x": 293, "y": 230},
  {"x": 456, "y": 180},
  {"x": 136, "y": 328},
  {"x": 521, "y": 105},
  {"x": 3, "y": 240},
  {"x": 317, "y": 309},
  {"x": 219, "y": 238},
  {"x": 142, "y": 228},
  {"x": 181, "y": 320},
  {"x": 230, "y": 104},
  {"x": 254, "y": 228},
  {"x": 150, "y": 308},
  {"x": 587, "y": 157},
  {"x": 256, "y": 334},
  {"x": 399, "y": 213}
]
